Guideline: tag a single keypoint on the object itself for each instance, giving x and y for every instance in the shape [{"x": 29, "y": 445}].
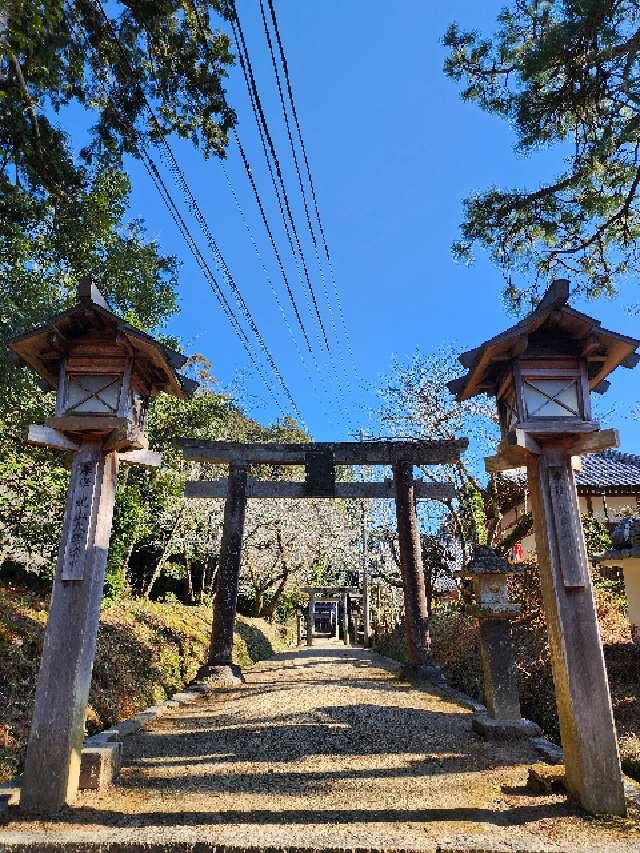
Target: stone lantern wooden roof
[
  {"x": 44, "y": 347},
  {"x": 554, "y": 328}
]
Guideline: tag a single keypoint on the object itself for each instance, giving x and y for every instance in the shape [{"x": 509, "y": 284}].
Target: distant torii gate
[{"x": 320, "y": 460}]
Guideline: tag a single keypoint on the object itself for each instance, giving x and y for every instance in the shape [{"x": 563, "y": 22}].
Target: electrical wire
[
  {"x": 165, "y": 195},
  {"x": 182, "y": 227},
  {"x": 172, "y": 164},
  {"x": 249, "y": 172},
  {"x": 303, "y": 193},
  {"x": 303, "y": 148},
  {"x": 247, "y": 67},
  {"x": 273, "y": 290}
]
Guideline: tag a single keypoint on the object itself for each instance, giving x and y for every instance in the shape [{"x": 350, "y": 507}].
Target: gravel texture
[{"x": 323, "y": 748}]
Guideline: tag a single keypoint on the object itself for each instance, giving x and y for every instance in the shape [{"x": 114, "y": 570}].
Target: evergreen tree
[{"x": 564, "y": 73}]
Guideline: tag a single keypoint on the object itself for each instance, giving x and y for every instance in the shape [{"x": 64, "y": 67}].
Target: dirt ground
[{"x": 326, "y": 748}]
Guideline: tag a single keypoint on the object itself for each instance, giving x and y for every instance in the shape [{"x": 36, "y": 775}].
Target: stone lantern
[
  {"x": 541, "y": 372},
  {"x": 103, "y": 371},
  {"x": 488, "y": 573},
  {"x": 625, "y": 552}
]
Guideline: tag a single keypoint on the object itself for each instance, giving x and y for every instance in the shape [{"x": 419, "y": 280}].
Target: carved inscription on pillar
[
  {"x": 81, "y": 509},
  {"x": 573, "y": 560}
]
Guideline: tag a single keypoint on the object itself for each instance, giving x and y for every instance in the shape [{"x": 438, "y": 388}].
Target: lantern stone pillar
[
  {"x": 587, "y": 728},
  {"x": 103, "y": 372},
  {"x": 52, "y": 764},
  {"x": 220, "y": 664},
  {"x": 310, "y": 618},
  {"x": 490, "y": 604},
  {"x": 345, "y": 618},
  {"x": 416, "y": 620}
]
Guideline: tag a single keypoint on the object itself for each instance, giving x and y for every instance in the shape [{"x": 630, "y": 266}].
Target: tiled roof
[{"x": 610, "y": 469}]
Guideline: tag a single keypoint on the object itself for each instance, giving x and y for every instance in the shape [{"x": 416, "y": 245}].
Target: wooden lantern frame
[
  {"x": 554, "y": 341},
  {"x": 514, "y": 410}
]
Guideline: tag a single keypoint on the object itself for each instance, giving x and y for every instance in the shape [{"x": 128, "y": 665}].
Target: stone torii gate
[{"x": 319, "y": 460}]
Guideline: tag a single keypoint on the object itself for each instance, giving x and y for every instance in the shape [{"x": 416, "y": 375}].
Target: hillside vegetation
[{"x": 146, "y": 651}]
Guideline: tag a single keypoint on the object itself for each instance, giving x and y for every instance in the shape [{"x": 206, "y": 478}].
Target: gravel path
[{"x": 327, "y": 748}]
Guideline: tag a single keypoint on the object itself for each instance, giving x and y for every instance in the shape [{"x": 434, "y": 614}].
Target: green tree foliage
[
  {"x": 564, "y": 73},
  {"x": 474, "y": 517},
  {"x": 438, "y": 564},
  {"x": 596, "y": 535}
]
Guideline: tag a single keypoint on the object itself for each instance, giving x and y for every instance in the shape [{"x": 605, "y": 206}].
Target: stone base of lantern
[
  {"x": 211, "y": 676},
  {"x": 491, "y": 729},
  {"x": 425, "y": 672}
]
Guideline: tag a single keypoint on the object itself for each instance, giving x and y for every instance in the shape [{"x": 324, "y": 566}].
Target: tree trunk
[
  {"x": 269, "y": 609},
  {"x": 259, "y": 605},
  {"x": 166, "y": 553}
]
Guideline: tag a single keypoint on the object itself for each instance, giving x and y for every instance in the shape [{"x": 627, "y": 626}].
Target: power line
[
  {"x": 303, "y": 192},
  {"x": 178, "y": 219},
  {"x": 295, "y": 161},
  {"x": 205, "y": 41},
  {"x": 274, "y": 245},
  {"x": 294, "y": 111},
  {"x": 193, "y": 206},
  {"x": 247, "y": 68},
  {"x": 261, "y": 121},
  {"x": 249, "y": 172},
  {"x": 182, "y": 227}
]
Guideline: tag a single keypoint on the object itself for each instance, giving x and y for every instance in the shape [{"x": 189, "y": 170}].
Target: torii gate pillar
[
  {"x": 219, "y": 663},
  {"x": 415, "y": 601},
  {"x": 310, "y": 618}
]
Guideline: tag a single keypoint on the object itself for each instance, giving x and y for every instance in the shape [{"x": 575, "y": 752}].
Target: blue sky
[{"x": 393, "y": 151}]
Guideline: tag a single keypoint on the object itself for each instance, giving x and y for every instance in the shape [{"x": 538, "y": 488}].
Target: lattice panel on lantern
[
  {"x": 551, "y": 398},
  {"x": 94, "y": 394}
]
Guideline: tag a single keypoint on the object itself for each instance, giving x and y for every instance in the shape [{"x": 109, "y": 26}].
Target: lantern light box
[
  {"x": 103, "y": 369},
  {"x": 535, "y": 392}
]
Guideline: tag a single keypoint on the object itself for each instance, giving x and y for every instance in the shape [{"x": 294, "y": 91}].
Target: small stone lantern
[
  {"x": 625, "y": 552},
  {"x": 541, "y": 372},
  {"x": 489, "y": 573},
  {"x": 104, "y": 371}
]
